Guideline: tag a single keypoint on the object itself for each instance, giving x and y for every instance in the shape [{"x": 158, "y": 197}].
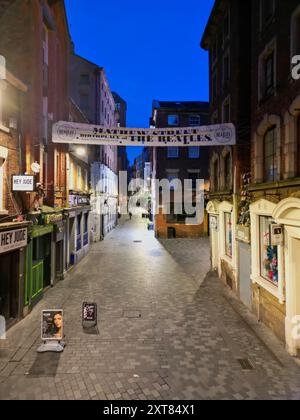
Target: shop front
[
  {"x": 287, "y": 214},
  {"x": 13, "y": 246},
  {"x": 38, "y": 264},
  {"x": 214, "y": 227},
  {"x": 77, "y": 234}
]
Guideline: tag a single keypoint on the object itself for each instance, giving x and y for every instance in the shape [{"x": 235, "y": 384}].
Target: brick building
[
  {"x": 275, "y": 157},
  {"x": 179, "y": 163},
  {"x": 230, "y": 93},
  {"x": 35, "y": 41},
  {"x": 89, "y": 89},
  {"x": 269, "y": 196}
]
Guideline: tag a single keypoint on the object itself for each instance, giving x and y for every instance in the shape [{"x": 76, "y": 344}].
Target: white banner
[
  {"x": 13, "y": 239},
  {"x": 213, "y": 135}
]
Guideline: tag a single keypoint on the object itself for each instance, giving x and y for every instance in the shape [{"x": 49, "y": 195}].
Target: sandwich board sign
[
  {"x": 89, "y": 315},
  {"x": 52, "y": 331}
]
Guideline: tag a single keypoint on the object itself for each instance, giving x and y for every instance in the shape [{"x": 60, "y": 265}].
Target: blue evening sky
[{"x": 150, "y": 49}]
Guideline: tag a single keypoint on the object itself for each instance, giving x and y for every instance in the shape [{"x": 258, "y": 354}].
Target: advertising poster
[
  {"x": 52, "y": 325},
  {"x": 89, "y": 312}
]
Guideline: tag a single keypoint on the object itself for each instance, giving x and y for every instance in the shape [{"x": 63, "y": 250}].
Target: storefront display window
[
  {"x": 228, "y": 235},
  {"x": 268, "y": 253}
]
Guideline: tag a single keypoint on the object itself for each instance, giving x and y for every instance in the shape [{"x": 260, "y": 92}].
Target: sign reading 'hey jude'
[
  {"x": 13, "y": 239},
  {"x": 212, "y": 135}
]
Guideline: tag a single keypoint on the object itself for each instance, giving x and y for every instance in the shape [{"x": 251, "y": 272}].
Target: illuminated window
[
  {"x": 194, "y": 152},
  {"x": 228, "y": 235},
  {"x": 268, "y": 253},
  {"x": 173, "y": 120},
  {"x": 173, "y": 152}
]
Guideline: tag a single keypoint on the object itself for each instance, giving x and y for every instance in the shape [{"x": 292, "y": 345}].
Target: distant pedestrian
[{"x": 130, "y": 215}]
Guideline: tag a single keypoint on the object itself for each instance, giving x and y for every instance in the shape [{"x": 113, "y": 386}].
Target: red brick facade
[{"x": 22, "y": 37}]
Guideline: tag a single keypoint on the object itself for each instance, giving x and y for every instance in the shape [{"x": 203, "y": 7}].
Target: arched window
[{"x": 270, "y": 155}]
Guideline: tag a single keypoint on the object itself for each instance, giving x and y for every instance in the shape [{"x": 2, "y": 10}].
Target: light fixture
[{"x": 81, "y": 151}]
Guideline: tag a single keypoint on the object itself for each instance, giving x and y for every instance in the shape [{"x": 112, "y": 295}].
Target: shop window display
[{"x": 269, "y": 253}]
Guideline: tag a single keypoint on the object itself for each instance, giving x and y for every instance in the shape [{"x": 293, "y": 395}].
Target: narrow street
[{"x": 167, "y": 330}]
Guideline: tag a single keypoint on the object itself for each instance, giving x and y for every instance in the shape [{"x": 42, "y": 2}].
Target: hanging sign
[
  {"x": 213, "y": 135},
  {"x": 24, "y": 183},
  {"x": 13, "y": 239}
]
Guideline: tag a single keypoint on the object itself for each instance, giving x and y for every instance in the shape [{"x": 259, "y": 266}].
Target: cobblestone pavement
[{"x": 167, "y": 330}]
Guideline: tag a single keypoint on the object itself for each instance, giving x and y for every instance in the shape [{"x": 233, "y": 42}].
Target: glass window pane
[
  {"x": 173, "y": 152},
  {"x": 268, "y": 253},
  {"x": 228, "y": 235},
  {"x": 173, "y": 120},
  {"x": 194, "y": 152}
]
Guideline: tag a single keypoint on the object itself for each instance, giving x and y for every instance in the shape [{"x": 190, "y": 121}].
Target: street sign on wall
[
  {"x": 23, "y": 183},
  {"x": 13, "y": 239},
  {"x": 212, "y": 135}
]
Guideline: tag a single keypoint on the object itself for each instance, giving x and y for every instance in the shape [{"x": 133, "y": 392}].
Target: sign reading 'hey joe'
[{"x": 14, "y": 239}]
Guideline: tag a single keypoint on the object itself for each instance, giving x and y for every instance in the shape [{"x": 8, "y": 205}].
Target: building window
[
  {"x": 295, "y": 32},
  {"x": 214, "y": 52},
  {"x": 267, "y": 70},
  {"x": 270, "y": 155},
  {"x": 84, "y": 101},
  {"x": 228, "y": 171},
  {"x": 173, "y": 120},
  {"x": 226, "y": 68},
  {"x": 269, "y": 74},
  {"x": 228, "y": 235},
  {"x": 194, "y": 120},
  {"x": 268, "y": 253},
  {"x": 79, "y": 178},
  {"x": 173, "y": 152},
  {"x": 214, "y": 86},
  {"x": 194, "y": 152},
  {"x": 226, "y": 28},
  {"x": 216, "y": 175},
  {"x": 194, "y": 176},
  {"x": 267, "y": 10},
  {"x": 226, "y": 111},
  {"x": 84, "y": 79}
]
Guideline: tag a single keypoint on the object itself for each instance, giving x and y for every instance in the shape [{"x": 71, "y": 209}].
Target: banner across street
[{"x": 86, "y": 134}]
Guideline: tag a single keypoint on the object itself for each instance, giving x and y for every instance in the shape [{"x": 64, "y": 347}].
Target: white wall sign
[
  {"x": 213, "y": 135},
  {"x": 25, "y": 183},
  {"x": 13, "y": 239},
  {"x": 277, "y": 238}
]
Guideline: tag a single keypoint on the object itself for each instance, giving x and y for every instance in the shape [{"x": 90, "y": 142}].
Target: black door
[{"x": 9, "y": 273}]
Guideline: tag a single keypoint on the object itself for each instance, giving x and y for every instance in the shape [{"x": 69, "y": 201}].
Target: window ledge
[
  {"x": 268, "y": 286},
  {"x": 274, "y": 185},
  {"x": 228, "y": 260},
  {"x": 5, "y": 129}
]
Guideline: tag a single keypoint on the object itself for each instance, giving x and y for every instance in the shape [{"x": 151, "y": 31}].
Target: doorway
[
  {"x": 245, "y": 273},
  {"x": 9, "y": 269}
]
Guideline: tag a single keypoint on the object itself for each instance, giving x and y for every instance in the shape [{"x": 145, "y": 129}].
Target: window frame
[
  {"x": 173, "y": 116},
  {"x": 173, "y": 148},
  {"x": 194, "y": 148},
  {"x": 266, "y": 179}
]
